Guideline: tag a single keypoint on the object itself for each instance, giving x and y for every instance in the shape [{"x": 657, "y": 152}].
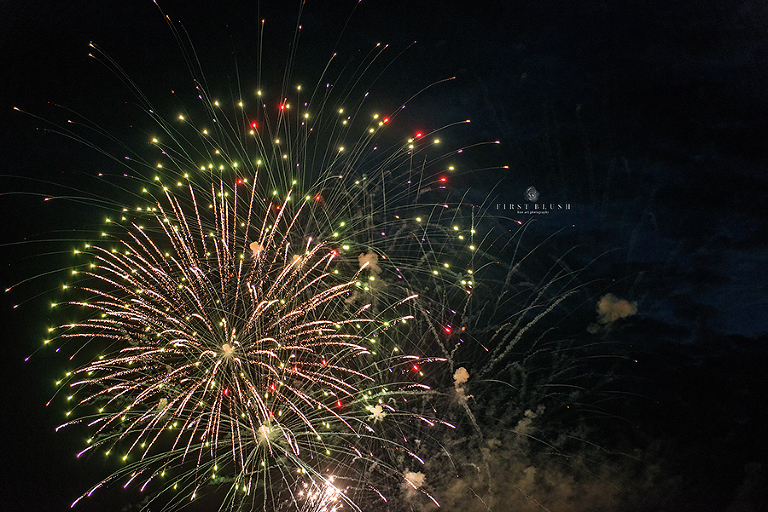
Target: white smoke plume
[
  {"x": 460, "y": 378},
  {"x": 372, "y": 259},
  {"x": 412, "y": 482},
  {"x": 610, "y": 308}
]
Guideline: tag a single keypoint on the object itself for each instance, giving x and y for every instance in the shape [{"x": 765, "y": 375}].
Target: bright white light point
[
  {"x": 240, "y": 104},
  {"x": 227, "y": 350},
  {"x": 264, "y": 433}
]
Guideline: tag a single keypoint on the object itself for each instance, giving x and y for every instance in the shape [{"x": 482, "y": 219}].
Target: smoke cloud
[
  {"x": 610, "y": 309},
  {"x": 372, "y": 260}
]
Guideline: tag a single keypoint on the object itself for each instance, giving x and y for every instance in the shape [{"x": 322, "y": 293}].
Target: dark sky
[{"x": 649, "y": 118}]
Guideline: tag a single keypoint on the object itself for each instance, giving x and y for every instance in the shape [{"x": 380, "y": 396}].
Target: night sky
[{"x": 649, "y": 118}]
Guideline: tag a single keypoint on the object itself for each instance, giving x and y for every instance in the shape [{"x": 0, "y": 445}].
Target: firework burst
[
  {"x": 254, "y": 323},
  {"x": 227, "y": 358}
]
